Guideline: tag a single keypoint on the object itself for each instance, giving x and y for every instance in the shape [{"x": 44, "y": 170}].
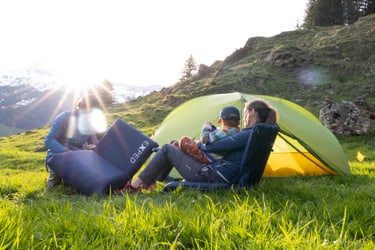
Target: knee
[
  {"x": 169, "y": 150},
  {"x": 166, "y": 147}
]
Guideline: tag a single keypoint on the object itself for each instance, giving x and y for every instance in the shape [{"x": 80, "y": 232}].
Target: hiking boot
[{"x": 128, "y": 189}]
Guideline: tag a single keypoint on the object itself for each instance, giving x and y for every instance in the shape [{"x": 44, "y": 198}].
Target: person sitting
[
  {"x": 230, "y": 125},
  {"x": 71, "y": 131},
  {"x": 225, "y": 170}
]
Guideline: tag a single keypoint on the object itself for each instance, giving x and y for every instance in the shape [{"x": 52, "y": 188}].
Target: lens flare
[
  {"x": 313, "y": 76},
  {"x": 92, "y": 122}
]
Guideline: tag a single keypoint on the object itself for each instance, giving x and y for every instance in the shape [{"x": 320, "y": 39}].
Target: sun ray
[{"x": 68, "y": 95}]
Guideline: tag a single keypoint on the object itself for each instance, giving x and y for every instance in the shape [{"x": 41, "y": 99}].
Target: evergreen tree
[
  {"x": 105, "y": 92},
  {"x": 189, "y": 68},
  {"x": 309, "y": 14},
  {"x": 370, "y": 8},
  {"x": 324, "y": 13},
  {"x": 336, "y": 12},
  {"x": 350, "y": 14}
]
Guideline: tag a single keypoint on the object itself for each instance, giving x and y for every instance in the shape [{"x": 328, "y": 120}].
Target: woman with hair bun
[{"x": 226, "y": 169}]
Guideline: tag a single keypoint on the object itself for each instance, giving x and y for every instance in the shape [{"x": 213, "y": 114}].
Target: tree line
[{"x": 336, "y": 12}]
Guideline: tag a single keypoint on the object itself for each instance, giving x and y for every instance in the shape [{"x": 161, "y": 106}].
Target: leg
[
  {"x": 188, "y": 167},
  {"x": 157, "y": 169},
  {"x": 162, "y": 163},
  {"x": 53, "y": 179}
]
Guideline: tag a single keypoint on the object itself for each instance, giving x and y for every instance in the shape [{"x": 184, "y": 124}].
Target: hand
[
  {"x": 207, "y": 123},
  {"x": 89, "y": 147}
]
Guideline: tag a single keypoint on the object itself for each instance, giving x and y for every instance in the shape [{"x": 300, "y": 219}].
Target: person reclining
[
  {"x": 230, "y": 124},
  {"x": 225, "y": 170}
]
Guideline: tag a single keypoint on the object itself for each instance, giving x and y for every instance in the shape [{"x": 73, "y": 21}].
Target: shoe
[
  {"x": 128, "y": 189},
  {"x": 170, "y": 179},
  {"x": 150, "y": 187}
]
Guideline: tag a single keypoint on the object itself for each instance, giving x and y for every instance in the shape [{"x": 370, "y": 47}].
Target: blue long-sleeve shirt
[
  {"x": 65, "y": 135},
  {"x": 232, "y": 147},
  {"x": 209, "y": 135}
]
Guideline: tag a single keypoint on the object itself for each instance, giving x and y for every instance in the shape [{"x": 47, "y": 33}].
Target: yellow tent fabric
[
  {"x": 360, "y": 157},
  {"x": 303, "y": 146}
]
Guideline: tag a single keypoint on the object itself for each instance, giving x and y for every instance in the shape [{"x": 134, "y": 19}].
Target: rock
[
  {"x": 345, "y": 119},
  {"x": 203, "y": 70}
]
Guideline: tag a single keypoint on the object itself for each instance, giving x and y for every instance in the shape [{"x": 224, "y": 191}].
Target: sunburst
[{"x": 73, "y": 91}]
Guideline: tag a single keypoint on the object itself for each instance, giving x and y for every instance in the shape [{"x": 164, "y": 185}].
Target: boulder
[{"x": 345, "y": 119}]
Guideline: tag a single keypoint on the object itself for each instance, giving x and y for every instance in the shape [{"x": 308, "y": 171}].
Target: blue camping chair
[
  {"x": 257, "y": 151},
  {"x": 118, "y": 156}
]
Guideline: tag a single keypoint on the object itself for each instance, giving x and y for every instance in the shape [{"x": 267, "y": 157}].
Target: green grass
[{"x": 331, "y": 212}]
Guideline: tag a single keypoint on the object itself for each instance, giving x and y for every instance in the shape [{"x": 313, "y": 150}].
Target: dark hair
[
  {"x": 231, "y": 123},
  {"x": 88, "y": 101},
  {"x": 265, "y": 113}
]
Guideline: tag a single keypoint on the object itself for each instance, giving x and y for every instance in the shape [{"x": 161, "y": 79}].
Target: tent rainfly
[{"x": 303, "y": 145}]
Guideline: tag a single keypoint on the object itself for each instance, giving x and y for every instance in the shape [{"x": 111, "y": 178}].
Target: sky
[{"x": 142, "y": 42}]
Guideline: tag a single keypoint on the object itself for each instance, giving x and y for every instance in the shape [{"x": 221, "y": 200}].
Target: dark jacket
[
  {"x": 233, "y": 149},
  {"x": 61, "y": 139}
]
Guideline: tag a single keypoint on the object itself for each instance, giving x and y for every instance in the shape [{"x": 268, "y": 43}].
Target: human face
[{"x": 248, "y": 117}]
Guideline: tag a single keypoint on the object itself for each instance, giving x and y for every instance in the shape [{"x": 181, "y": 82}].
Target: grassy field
[{"x": 331, "y": 212}]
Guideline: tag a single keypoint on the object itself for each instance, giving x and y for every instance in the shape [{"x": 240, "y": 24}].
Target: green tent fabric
[{"x": 303, "y": 146}]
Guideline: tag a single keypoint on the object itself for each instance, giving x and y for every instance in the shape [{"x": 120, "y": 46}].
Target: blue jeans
[{"x": 170, "y": 156}]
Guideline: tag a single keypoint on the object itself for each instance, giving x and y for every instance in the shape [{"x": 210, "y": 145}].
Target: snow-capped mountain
[
  {"x": 38, "y": 78},
  {"x": 41, "y": 80},
  {"x": 30, "y": 98},
  {"x": 125, "y": 93}
]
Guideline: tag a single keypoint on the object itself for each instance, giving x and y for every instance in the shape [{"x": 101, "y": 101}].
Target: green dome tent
[{"x": 303, "y": 146}]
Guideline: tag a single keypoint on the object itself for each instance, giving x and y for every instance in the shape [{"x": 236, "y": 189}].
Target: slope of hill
[
  {"x": 304, "y": 66},
  {"x": 307, "y": 67},
  {"x": 297, "y": 212}
]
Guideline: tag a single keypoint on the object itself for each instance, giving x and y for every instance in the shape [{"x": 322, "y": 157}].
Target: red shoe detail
[{"x": 129, "y": 189}]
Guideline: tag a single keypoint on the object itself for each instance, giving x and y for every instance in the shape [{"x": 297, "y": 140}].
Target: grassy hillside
[
  {"x": 330, "y": 212},
  {"x": 303, "y": 66}
]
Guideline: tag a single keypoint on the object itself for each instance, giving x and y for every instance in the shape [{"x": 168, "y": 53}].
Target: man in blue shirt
[{"x": 70, "y": 131}]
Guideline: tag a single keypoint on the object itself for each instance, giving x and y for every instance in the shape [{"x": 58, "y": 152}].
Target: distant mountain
[
  {"x": 25, "y": 107},
  {"x": 36, "y": 77},
  {"x": 31, "y": 98},
  {"x": 310, "y": 67},
  {"x": 41, "y": 79},
  {"x": 124, "y": 93},
  {"x": 7, "y": 131}
]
